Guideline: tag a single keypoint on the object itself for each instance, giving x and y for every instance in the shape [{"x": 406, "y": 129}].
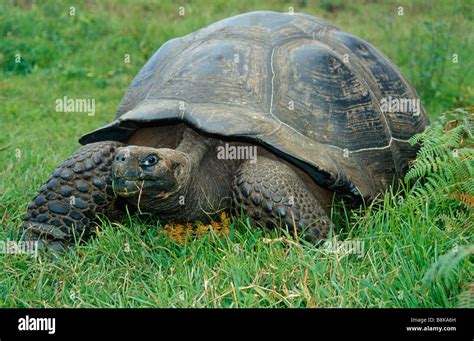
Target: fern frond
[
  {"x": 447, "y": 263},
  {"x": 444, "y": 167}
]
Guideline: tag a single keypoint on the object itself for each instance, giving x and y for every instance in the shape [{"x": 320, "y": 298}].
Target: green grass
[{"x": 133, "y": 264}]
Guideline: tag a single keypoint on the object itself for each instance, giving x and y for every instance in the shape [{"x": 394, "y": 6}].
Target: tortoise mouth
[{"x": 128, "y": 188}]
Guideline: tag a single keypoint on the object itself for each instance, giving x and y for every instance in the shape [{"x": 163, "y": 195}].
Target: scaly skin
[
  {"x": 67, "y": 204},
  {"x": 270, "y": 193}
]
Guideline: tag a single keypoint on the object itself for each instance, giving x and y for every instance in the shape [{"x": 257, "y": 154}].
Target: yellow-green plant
[{"x": 445, "y": 161}]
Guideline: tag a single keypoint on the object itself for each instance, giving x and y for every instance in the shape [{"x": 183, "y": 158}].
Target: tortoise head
[{"x": 147, "y": 172}]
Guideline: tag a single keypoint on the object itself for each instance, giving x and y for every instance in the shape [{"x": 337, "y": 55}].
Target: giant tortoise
[{"x": 265, "y": 114}]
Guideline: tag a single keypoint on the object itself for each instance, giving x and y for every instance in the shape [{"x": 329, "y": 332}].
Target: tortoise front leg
[
  {"x": 271, "y": 193},
  {"x": 65, "y": 207}
]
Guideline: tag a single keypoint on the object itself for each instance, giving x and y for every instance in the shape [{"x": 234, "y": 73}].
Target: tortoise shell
[{"x": 295, "y": 84}]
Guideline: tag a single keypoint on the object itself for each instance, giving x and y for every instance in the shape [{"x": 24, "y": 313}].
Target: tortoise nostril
[{"x": 120, "y": 157}]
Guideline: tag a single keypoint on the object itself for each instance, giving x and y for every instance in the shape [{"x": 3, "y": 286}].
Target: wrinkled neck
[{"x": 204, "y": 183}]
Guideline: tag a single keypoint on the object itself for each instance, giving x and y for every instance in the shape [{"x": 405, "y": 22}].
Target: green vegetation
[{"x": 417, "y": 243}]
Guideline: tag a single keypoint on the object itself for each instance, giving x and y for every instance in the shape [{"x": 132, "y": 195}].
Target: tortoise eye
[{"x": 150, "y": 160}]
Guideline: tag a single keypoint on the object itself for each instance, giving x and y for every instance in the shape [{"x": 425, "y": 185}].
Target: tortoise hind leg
[
  {"x": 270, "y": 192},
  {"x": 66, "y": 205}
]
